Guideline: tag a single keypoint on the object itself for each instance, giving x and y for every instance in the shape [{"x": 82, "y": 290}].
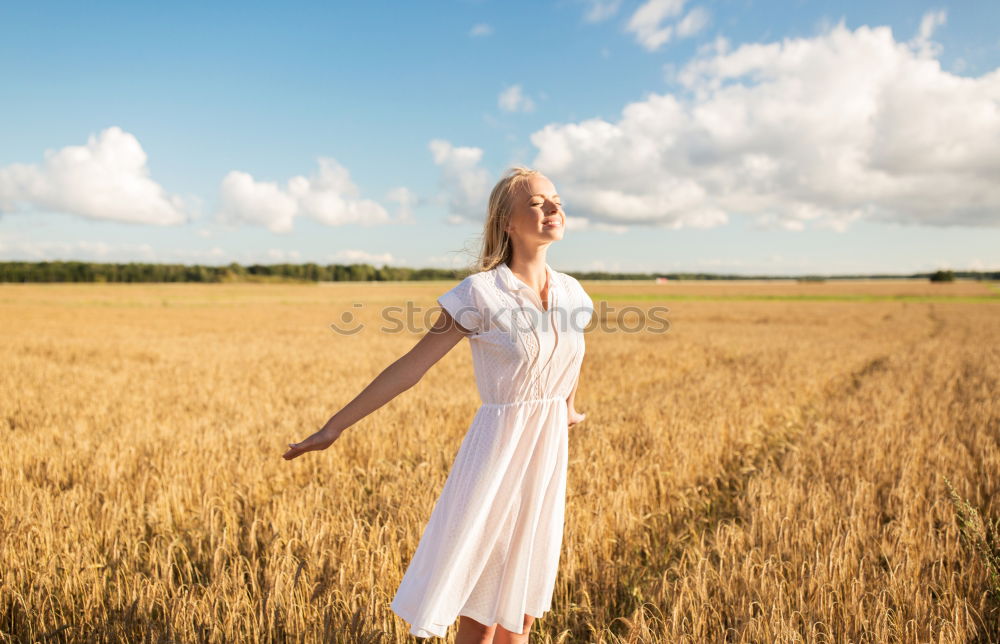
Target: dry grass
[{"x": 766, "y": 471}]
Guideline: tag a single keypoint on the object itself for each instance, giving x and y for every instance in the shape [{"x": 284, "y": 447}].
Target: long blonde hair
[{"x": 496, "y": 247}]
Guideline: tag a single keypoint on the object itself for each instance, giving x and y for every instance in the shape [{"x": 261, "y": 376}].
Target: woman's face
[{"x": 537, "y": 214}]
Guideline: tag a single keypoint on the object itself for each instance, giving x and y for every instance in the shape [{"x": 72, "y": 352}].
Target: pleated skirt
[{"x": 491, "y": 548}]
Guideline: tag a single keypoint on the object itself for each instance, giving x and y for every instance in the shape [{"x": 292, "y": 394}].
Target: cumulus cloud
[
  {"x": 513, "y": 99},
  {"x": 76, "y": 250},
  {"x": 650, "y": 23},
  {"x": 106, "y": 179},
  {"x": 19, "y": 248},
  {"x": 406, "y": 199},
  {"x": 329, "y": 196},
  {"x": 451, "y": 260},
  {"x": 481, "y": 29},
  {"x": 245, "y": 200},
  {"x": 695, "y": 20},
  {"x": 464, "y": 181},
  {"x": 582, "y": 223},
  {"x": 922, "y": 42},
  {"x": 354, "y": 256},
  {"x": 830, "y": 129}
]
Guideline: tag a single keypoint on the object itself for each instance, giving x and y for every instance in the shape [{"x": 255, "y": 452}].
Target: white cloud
[
  {"x": 718, "y": 46},
  {"x": 481, "y": 29},
  {"x": 647, "y": 22},
  {"x": 15, "y": 248},
  {"x": 600, "y": 10},
  {"x": 453, "y": 260},
  {"x": 604, "y": 265},
  {"x": 829, "y": 130},
  {"x": 245, "y": 200},
  {"x": 77, "y": 250},
  {"x": 282, "y": 255},
  {"x": 354, "y": 256},
  {"x": 513, "y": 99},
  {"x": 977, "y": 264},
  {"x": 582, "y": 223},
  {"x": 406, "y": 199},
  {"x": 329, "y": 196},
  {"x": 464, "y": 181},
  {"x": 214, "y": 253},
  {"x": 105, "y": 179},
  {"x": 922, "y": 42},
  {"x": 695, "y": 20}
]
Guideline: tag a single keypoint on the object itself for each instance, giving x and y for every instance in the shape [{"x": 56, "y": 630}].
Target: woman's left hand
[
  {"x": 320, "y": 440},
  {"x": 575, "y": 417}
]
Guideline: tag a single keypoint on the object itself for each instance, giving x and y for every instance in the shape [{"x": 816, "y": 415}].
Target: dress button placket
[{"x": 527, "y": 340}]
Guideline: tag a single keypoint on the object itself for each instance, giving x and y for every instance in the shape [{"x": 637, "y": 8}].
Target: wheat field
[{"x": 774, "y": 468}]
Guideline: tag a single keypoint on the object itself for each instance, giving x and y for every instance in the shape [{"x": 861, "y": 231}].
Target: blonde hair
[{"x": 496, "y": 246}]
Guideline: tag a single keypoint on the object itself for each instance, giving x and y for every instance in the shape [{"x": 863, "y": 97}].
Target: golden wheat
[{"x": 766, "y": 471}]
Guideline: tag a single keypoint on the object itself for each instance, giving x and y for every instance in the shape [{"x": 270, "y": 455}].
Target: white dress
[{"x": 491, "y": 547}]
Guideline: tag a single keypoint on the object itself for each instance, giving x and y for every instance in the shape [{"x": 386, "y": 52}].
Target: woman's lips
[{"x": 552, "y": 222}]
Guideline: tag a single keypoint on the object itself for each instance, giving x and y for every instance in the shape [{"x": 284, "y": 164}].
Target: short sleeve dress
[{"x": 491, "y": 547}]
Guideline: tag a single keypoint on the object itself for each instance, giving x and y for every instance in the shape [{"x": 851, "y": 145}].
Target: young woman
[{"x": 491, "y": 547}]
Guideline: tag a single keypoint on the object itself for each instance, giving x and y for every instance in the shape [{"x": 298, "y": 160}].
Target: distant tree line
[{"x": 73, "y": 271}]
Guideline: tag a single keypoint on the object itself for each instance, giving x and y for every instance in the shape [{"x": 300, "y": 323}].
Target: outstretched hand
[{"x": 320, "y": 440}]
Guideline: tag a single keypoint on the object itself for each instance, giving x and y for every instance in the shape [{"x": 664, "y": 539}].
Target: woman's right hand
[
  {"x": 394, "y": 379},
  {"x": 320, "y": 440}
]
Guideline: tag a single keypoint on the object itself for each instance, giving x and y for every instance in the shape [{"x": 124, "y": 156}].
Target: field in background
[{"x": 770, "y": 469}]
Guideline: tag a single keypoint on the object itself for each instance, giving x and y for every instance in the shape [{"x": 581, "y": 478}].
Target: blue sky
[{"x": 728, "y": 136}]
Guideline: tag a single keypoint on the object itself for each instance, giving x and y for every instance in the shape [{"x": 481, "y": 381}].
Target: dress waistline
[{"x": 524, "y": 402}]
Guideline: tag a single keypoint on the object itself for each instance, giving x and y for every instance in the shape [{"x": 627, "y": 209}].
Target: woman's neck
[{"x": 532, "y": 272}]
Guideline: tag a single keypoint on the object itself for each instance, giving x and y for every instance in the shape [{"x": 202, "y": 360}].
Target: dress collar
[{"x": 514, "y": 283}]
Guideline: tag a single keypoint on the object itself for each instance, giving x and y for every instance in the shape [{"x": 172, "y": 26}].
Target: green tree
[{"x": 943, "y": 276}]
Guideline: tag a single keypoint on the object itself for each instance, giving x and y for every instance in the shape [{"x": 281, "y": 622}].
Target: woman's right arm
[{"x": 394, "y": 380}]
